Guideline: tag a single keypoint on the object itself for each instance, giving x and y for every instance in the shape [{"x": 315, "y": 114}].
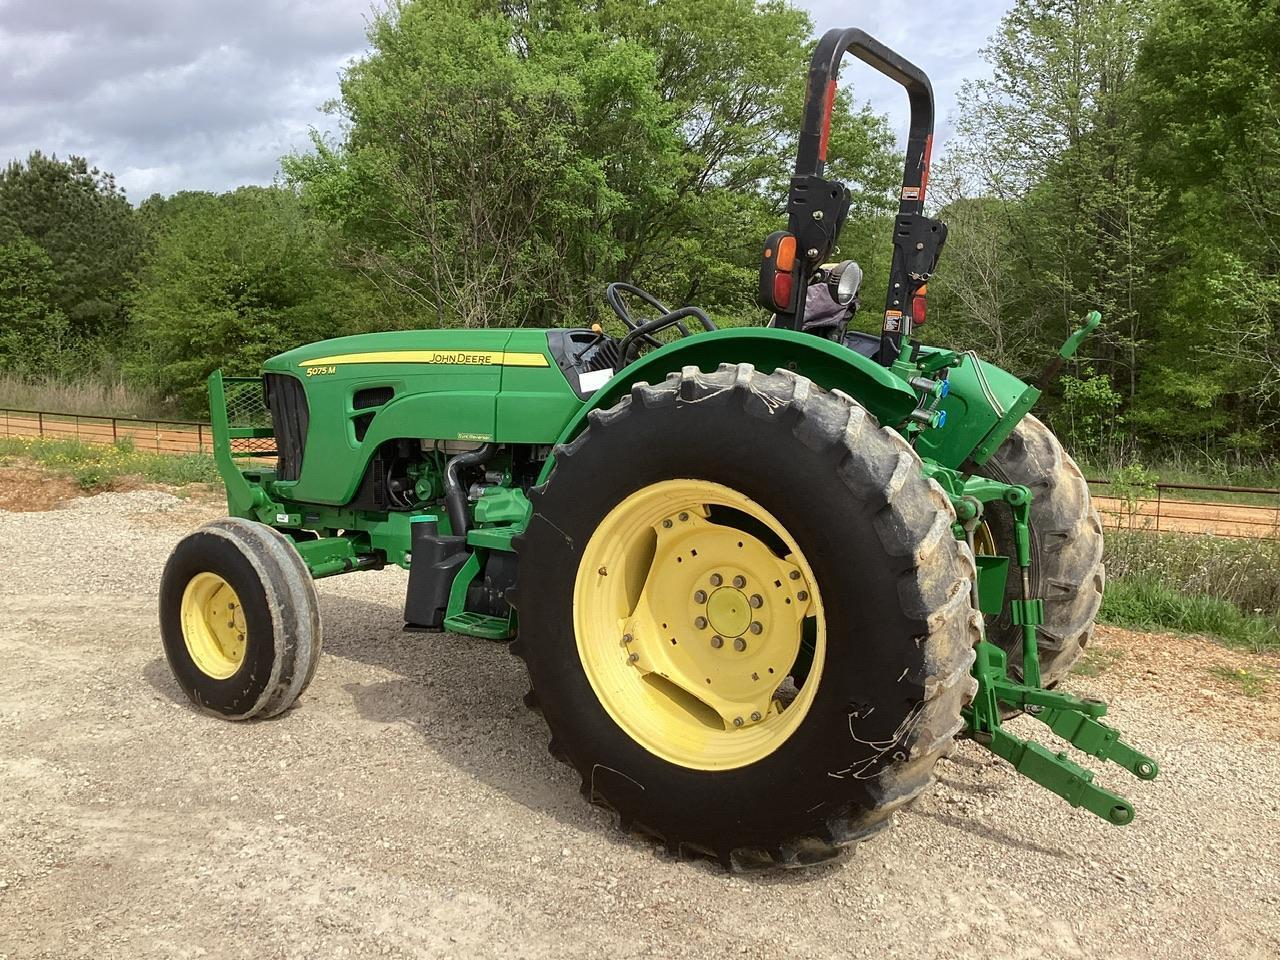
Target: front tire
[
  {"x": 239, "y": 619},
  {"x": 763, "y": 512}
]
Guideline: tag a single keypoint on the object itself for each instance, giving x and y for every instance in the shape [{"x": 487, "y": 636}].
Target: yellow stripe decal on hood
[{"x": 483, "y": 358}]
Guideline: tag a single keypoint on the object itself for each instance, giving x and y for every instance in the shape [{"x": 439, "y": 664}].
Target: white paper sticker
[
  {"x": 282, "y": 518},
  {"x": 593, "y": 381}
]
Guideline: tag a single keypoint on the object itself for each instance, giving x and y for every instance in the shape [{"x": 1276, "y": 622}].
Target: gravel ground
[{"x": 409, "y": 808}]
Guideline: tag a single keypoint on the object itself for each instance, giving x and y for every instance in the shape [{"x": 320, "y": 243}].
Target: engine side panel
[{"x": 469, "y": 385}]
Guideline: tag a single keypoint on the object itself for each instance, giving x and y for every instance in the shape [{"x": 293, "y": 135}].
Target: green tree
[
  {"x": 83, "y": 223},
  {"x": 498, "y": 166},
  {"x": 1055, "y": 135},
  {"x": 977, "y": 294},
  {"x": 231, "y": 280},
  {"x": 1210, "y": 107},
  {"x": 33, "y": 331}
]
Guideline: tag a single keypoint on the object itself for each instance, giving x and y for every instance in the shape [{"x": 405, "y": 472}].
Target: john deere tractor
[{"x": 761, "y": 578}]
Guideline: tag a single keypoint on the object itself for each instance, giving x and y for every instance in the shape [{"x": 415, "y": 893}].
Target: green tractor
[{"x": 759, "y": 577}]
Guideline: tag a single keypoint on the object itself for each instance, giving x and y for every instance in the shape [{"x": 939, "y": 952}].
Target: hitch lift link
[{"x": 1074, "y": 719}]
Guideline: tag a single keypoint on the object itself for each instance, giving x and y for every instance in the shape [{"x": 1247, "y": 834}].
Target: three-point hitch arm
[{"x": 816, "y": 207}]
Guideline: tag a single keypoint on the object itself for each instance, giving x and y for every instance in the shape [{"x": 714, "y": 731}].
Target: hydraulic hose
[{"x": 455, "y": 497}]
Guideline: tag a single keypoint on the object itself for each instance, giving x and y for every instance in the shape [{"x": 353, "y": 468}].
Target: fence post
[
  {"x": 40, "y": 423},
  {"x": 114, "y": 437},
  {"x": 1159, "y": 504}
]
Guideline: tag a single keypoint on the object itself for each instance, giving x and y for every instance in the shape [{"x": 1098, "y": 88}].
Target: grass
[
  {"x": 103, "y": 398},
  {"x": 1251, "y": 683},
  {"x": 1244, "y": 572},
  {"x": 1144, "y": 603},
  {"x": 1227, "y": 588},
  {"x": 95, "y": 467}
]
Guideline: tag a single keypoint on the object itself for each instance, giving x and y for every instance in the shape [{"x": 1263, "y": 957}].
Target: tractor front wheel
[
  {"x": 239, "y": 619},
  {"x": 745, "y": 617}
]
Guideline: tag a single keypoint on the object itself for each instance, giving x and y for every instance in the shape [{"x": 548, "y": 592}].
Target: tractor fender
[{"x": 830, "y": 365}]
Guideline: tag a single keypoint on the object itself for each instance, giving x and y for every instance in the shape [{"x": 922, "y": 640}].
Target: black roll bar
[
  {"x": 816, "y": 207},
  {"x": 824, "y": 67}
]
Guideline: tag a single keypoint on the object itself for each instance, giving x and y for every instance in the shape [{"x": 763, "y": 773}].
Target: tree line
[{"x": 497, "y": 164}]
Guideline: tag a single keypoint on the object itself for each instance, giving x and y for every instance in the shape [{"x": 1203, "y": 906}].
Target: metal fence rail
[
  {"x": 1182, "y": 512},
  {"x": 154, "y": 436}
]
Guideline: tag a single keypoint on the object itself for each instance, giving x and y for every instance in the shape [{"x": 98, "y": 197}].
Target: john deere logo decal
[{"x": 483, "y": 358}]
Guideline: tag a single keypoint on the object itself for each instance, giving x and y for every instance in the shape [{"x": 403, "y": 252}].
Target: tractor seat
[{"x": 867, "y": 344}]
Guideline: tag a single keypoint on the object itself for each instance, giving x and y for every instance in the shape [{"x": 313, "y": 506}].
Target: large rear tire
[
  {"x": 700, "y": 543},
  {"x": 1066, "y": 549}
]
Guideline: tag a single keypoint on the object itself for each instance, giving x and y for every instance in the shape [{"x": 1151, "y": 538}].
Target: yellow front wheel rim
[
  {"x": 688, "y": 624},
  {"x": 213, "y": 626}
]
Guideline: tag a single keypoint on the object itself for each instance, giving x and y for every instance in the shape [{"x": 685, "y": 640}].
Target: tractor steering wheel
[
  {"x": 614, "y": 292},
  {"x": 642, "y": 332}
]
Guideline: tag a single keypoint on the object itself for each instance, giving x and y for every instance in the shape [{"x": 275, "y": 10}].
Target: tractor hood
[{"x": 364, "y": 353}]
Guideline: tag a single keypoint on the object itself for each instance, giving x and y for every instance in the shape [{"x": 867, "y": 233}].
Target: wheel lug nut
[
  {"x": 666, "y": 524},
  {"x": 755, "y": 716},
  {"x": 717, "y": 641},
  {"x": 739, "y": 644},
  {"x": 700, "y": 596},
  {"x": 716, "y": 579},
  {"x": 737, "y": 721},
  {"x": 634, "y": 657},
  {"x": 700, "y": 622},
  {"x": 739, "y": 582},
  {"x": 802, "y": 595},
  {"x": 794, "y": 574},
  {"x": 757, "y": 627},
  {"x": 684, "y": 516},
  {"x": 626, "y": 638},
  {"x": 757, "y": 601}
]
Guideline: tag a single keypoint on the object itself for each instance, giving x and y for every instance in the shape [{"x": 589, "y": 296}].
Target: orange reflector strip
[
  {"x": 786, "y": 256},
  {"x": 826, "y": 120}
]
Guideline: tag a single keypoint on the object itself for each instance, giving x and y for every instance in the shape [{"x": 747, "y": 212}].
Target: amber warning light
[{"x": 777, "y": 274}]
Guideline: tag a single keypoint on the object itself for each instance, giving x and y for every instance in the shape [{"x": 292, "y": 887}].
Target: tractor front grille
[{"x": 289, "y": 418}]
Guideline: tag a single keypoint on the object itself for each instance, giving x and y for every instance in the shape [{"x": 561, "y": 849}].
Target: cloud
[
  {"x": 200, "y": 95},
  {"x": 172, "y": 94}
]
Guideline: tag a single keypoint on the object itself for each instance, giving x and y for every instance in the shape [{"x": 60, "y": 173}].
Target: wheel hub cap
[{"x": 729, "y": 612}]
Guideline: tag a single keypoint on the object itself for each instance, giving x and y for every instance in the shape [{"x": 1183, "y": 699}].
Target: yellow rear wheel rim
[
  {"x": 688, "y": 624},
  {"x": 213, "y": 625}
]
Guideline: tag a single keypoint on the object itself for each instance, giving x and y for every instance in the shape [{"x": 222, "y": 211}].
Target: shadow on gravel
[
  {"x": 160, "y": 677},
  {"x": 464, "y": 696},
  {"x": 984, "y": 831}
]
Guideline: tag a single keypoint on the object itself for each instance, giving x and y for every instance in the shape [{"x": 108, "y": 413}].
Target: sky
[{"x": 208, "y": 94}]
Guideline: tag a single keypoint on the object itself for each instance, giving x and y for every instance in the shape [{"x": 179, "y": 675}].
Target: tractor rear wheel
[
  {"x": 1066, "y": 549},
  {"x": 239, "y": 619},
  {"x": 745, "y": 617}
]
